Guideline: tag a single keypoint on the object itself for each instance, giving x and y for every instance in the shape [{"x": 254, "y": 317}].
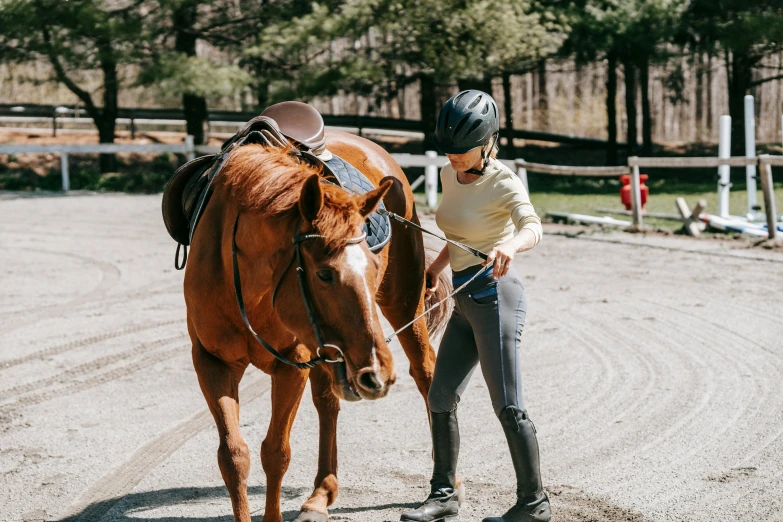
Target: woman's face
[{"x": 466, "y": 161}]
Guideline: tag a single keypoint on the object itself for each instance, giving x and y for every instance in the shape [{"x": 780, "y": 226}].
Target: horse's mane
[{"x": 269, "y": 180}]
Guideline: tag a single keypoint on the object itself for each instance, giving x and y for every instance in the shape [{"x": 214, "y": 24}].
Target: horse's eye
[{"x": 327, "y": 276}]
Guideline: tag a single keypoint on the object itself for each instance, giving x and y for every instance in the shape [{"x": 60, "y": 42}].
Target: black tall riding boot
[
  {"x": 532, "y": 503},
  {"x": 443, "y": 501}
]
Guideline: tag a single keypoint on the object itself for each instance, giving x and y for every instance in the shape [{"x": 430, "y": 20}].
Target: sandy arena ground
[{"x": 652, "y": 369}]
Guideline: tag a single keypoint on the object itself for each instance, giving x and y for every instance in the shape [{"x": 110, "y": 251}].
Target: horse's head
[
  {"x": 342, "y": 277},
  {"x": 291, "y": 207}
]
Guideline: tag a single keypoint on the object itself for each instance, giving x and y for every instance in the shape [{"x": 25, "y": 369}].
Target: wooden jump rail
[
  {"x": 765, "y": 163},
  {"x": 690, "y": 163},
  {"x": 564, "y": 170}
]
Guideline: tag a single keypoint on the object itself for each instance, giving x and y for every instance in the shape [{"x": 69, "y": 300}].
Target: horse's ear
[
  {"x": 312, "y": 198},
  {"x": 367, "y": 202}
]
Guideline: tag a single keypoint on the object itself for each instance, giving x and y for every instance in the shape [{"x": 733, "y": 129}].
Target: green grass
[
  {"x": 585, "y": 196},
  {"x": 662, "y": 197}
]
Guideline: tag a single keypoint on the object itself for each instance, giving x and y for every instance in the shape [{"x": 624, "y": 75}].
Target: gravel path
[{"x": 652, "y": 371}]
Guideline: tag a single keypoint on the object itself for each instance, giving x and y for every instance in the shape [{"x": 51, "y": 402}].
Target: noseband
[{"x": 298, "y": 239}]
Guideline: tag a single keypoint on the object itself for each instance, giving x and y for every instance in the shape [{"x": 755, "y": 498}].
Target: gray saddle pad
[{"x": 377, "y": 227}]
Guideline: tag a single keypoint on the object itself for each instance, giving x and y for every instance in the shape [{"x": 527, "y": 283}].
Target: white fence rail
[{"x": 432, "y": 162}]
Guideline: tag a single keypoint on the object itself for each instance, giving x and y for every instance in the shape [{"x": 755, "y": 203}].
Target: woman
[{"x": 483, "y": 203}]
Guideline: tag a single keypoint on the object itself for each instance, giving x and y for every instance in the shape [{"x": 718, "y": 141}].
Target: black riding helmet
[{"x": 468, "y": 120}]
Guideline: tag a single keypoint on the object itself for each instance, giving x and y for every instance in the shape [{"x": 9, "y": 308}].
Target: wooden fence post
[
  {"x": 769, "y": 197},
  {"x": 64, "y": 171}
]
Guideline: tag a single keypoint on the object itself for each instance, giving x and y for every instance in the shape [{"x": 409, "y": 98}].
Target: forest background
[{"x": 635, "y": 73}]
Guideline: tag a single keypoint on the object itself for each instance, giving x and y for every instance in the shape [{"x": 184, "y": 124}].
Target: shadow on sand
[{"x": 129, "y": 508}]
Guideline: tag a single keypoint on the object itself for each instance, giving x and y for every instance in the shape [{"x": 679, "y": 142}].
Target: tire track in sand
[
  {"x": 110, "y": 276},
  {"x": 95, "y": 379},
  {"x": 80, "y": 343},
  {"x": 88, "y": 367},
  {"x": 93, "y": 504}
]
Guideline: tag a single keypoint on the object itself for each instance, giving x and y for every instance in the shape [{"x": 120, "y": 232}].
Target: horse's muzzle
[{"x": 371, "y": 385}]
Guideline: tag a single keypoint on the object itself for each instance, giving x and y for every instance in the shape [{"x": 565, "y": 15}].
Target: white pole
[
  {"x": 522, "y": 173},
  {"x": 750, "y": 152},
  {"x": 189, "y": 144},
  {"x": 636, "y": 197},
  {"x": 64, "y": 171},
  {"x": 769, "y": 200},
  {"x": 724, "y": 152},
  {"x": 431, "y": 180}
]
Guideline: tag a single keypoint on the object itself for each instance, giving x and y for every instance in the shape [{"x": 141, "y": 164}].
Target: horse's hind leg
[
  {"x": 220, "y": 386},
  {"x": 328, "y": 407},
  {"x": 288, "y": 384}
]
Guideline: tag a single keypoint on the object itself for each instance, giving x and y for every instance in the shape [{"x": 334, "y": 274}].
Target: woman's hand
[
  {"x": 502, "y": 255},
  {"x": 432, "y": 283}
]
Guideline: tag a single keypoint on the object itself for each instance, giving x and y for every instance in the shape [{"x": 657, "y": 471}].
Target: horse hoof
[{"x": 312, "y": 516}]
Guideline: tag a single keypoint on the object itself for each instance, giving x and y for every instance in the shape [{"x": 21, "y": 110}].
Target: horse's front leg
[
  {"x": 220, "y": 386},
  {"x": 328, "y": 407},
  {"x": 288, "y": 383}
]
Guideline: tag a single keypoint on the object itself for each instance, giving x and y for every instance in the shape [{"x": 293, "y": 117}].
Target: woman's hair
[{"x": 493, "y": 152}]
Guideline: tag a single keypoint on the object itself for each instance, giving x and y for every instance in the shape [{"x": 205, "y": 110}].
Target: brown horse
[{"x": 264, "y": 198}]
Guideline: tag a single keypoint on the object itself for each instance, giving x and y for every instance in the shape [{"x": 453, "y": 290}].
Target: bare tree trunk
[
  {"x": 699, "y": 65},
  {"x": 428, "y": 108},
  {"x": 578, "y": 95},
  {"x": 611, "y": 107},
  {"x": 630, "y": 104},
  {"x": 740, "y": 75},
  {"x": 543, "y": 99},
  {"x": 509, "y": 111},
  {"x": 647, "y": 121},
  {"x": 194, "y": 106},
  {"x": 708, "y": 127},
  {"x": 111, "y": 86}
]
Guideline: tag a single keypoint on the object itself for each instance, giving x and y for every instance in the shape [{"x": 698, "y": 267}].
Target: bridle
[{"x": 298, "y": 239}]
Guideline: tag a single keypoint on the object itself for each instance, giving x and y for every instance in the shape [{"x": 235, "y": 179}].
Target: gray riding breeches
[{"x": 485, "y": 327}]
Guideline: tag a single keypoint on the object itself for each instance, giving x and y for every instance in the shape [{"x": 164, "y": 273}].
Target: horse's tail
[{"x": 436, "y": 320}]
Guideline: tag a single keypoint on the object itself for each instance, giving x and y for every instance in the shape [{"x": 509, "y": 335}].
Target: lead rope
[
  {"x": 433, "y": 307},
  {"x": 466, "y": 248}
]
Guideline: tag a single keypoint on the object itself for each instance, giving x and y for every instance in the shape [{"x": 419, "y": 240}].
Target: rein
[
  {"x": 298, "y": 239},
  {"x": 466, "y": 248},
  {"x": 400, "y": 219}
]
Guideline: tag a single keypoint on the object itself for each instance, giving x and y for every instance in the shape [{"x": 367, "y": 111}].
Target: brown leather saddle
[{"x": 281, "y": 125}]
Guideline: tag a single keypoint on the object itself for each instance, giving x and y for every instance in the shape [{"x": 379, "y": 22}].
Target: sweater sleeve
[{"x": 510, "y": 194}]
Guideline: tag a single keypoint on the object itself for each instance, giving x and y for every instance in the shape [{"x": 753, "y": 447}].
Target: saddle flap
[{"x": 174, "y": 215}]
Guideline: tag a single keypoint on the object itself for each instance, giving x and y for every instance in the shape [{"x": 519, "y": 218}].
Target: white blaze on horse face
[{"x": 356, "y": 261}]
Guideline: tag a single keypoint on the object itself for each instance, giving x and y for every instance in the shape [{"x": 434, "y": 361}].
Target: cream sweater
[{"x": 485, "y": 213}]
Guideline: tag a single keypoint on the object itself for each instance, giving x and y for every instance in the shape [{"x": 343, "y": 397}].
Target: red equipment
[{"x": 625, "y": 190}]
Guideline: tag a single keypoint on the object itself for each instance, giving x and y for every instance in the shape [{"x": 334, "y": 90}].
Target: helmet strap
[{"x": 485, "y": 157}]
